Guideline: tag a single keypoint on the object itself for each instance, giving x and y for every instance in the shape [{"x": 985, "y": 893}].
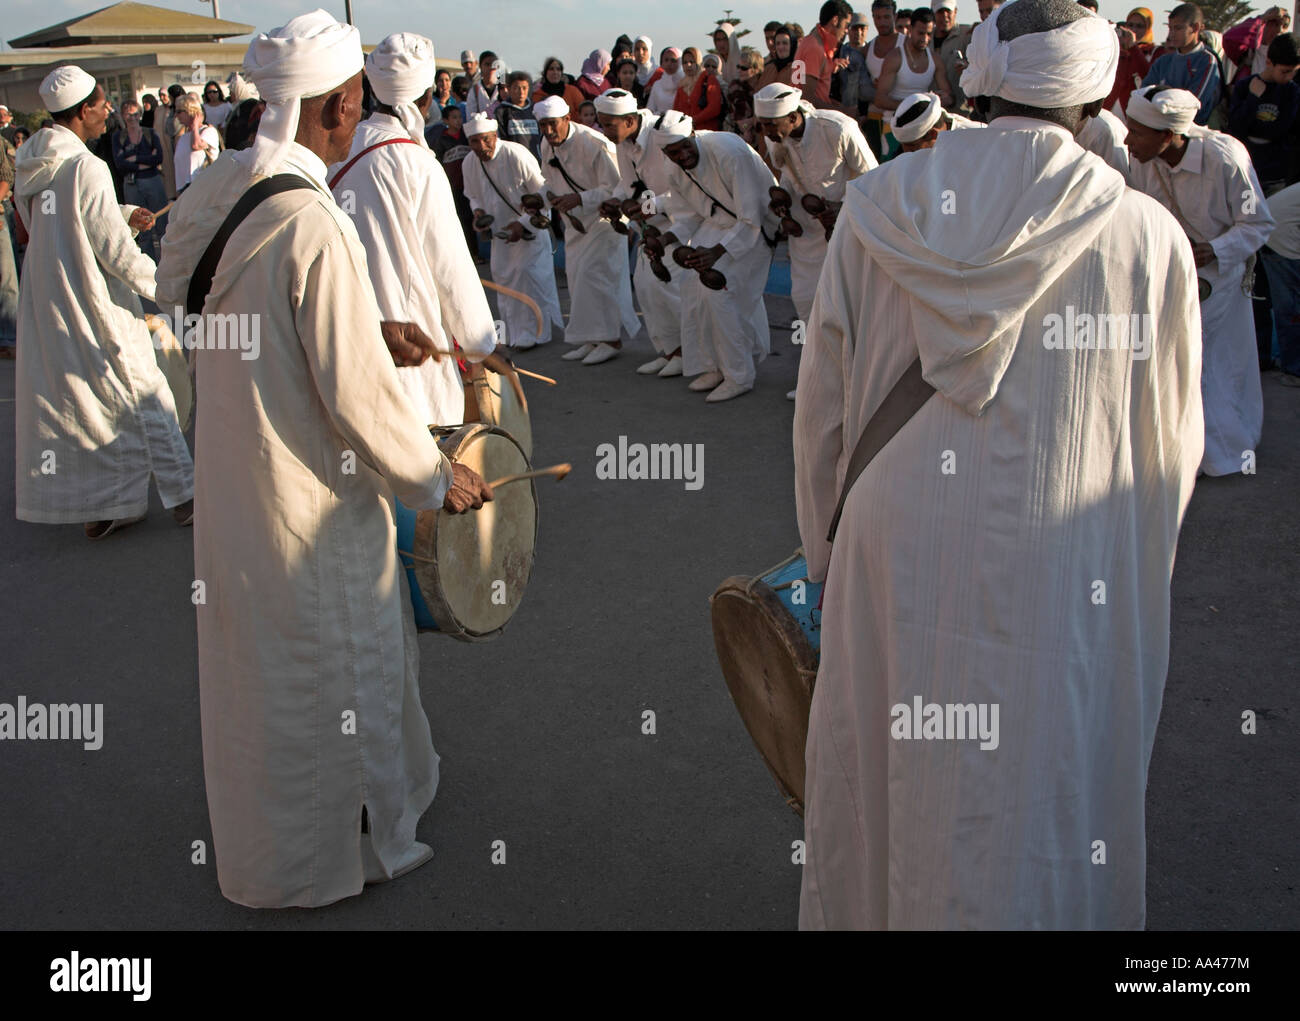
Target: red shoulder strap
[{"x": 370, "y": 148}]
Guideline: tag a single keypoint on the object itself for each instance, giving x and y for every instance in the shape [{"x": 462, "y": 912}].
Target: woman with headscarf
[
  {"x": 728, "y": 50},
  {"x": 661, "y": 87},
  {"x": 554, "y": 82},
  {"x": 592, "y": 82},
  {"x": 1135, "y": 45},
  {"x": 781, "y": 67},
  {"x": 700, "y": 94},
  {"x": 643, "y": 54}
]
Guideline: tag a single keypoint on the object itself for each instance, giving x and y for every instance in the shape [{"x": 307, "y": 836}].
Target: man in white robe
[
  {"x": 316, "y": 750},
  {"x": 581, "y": 171},
  {"x": 643, "y": 176},
  {"x": 496, "y": 181},
  {"x": 1206, "y": 180},
  {"x": 95, "y": 416},
  {"x": 919, "y": 119},
  {"x": 1010, "y": 549},
  {"x": 1103, "y": 133},
  {"x": 401, "y": 204},
  {"x": 720, "y": 191},
  {"x": 814, "y": 152}
]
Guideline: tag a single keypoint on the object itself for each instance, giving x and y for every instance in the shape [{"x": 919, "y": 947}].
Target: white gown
[
  {"x": 724, "y": 331},
  {"x": 94, "y": 416},
  {"x": 401, "y": 204},
  {"x": 595, "y": 263},
  {"x": 1219, "y": 200},
  {"x": 832, "y": 152},
  {"x": 524, "y": 266},
  {"x": 308, "y": 661},
  {"x": 1105, "y": 135},
  {"x": 967, "y": 562},
  {"x": 640, "y": 158}
]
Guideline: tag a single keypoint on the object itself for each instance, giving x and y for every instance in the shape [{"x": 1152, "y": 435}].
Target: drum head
[
  {"x": 770, "y": 668},
  {"x": 475, "y": 566}
]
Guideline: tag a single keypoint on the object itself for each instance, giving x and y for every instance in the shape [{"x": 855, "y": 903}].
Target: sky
[{"x": 523, "y": 34}]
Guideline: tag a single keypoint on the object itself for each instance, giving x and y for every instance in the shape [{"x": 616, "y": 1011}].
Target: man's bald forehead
[{"x": 1024, "y": 17}]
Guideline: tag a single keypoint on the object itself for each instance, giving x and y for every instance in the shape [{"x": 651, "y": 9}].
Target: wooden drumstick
[
  {"x": 510, "y": 292},
  {"x": 558, "y": 470},
  {"x": 535, "y": 375}
]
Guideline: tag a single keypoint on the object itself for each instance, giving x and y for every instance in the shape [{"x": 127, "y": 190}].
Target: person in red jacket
[
  {"x": 1246, "y": 44},
  {"x": 1136, "y": 43},
  {"x": 700, "y": 94}
]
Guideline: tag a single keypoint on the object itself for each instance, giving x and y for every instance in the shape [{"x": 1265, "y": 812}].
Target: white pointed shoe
[
  {"x": 706, "y": 382},
  {"x": 652, "y": 368},
  {"x": 412, "y": 858},
  {"x": 578, "y": 353},
  {"x": 726, "y": 390},
  {"x": 673, "y": 368},
  {"x": 600, "y": 354},
  {"x": 790, "y": 395}
]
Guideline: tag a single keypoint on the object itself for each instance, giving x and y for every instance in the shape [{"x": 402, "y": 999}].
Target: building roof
[{"x": 132, "y": 23}]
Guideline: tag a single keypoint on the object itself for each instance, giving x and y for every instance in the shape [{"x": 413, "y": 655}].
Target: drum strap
[
  {"x": 201, "y": 281},
  {"x": 334, "y": 181},
  {"x": 903, "y": 401}
]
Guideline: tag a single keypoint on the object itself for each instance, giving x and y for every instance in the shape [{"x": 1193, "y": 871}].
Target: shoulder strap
[
  {"x": 898, "y": 407},
  {"x": 201, "y": 281},
  {"x": 368, "y": 149},
  {"x": 500, "y": 193}
]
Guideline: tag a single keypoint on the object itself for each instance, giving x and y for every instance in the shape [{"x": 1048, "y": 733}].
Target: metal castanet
[
  {"x": 534, "y": 204},
  {"x": 483, "y": 221},
  {"x": 574, "y": 222},
  {"x": 815, "y": 205},
  {"x": 711, "y": 278}
]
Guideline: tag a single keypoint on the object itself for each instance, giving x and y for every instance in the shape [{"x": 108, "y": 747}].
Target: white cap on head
[
  {"x": 938, "y": 5},
  {"x": 1067, "y": 66},
  {"x": 480, "y": 124},
  {"x": 617, "y": 102},
  {"x": 400, "y": 70},
  {"x": 673, "y": 127},
  {"x": 1169, "y": 110},
  {"x": 551, "y": 108},
  {"x": 309, "y": 56},
  {"x": 65, "y": 86},
  {"x": 776, "y": 100},
  {"x": 925, "y": 120},
  {"x": 240, "y": 88}
]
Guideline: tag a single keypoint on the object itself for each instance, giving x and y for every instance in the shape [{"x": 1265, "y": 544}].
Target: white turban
[
  {"x": 644, "y": 71},
  {"x": 400, "y": 70},
  {"x": 673, "y": 127},
  {"x": 551, "y": 108},
  {"x": 241, "y": 88},
  {"x": 1171, "y": 110},
  {"x": 938, "y": 5},
  {"x": 776, "y": 100},
  {"x": 617, "y": 102},
  {"x": 919, "y": 128},
  {"x": 65, "y": 86},
  {"x": 309, "y": 56},
  {"x": 479, "y": 124},
  {"x": 1067, "y": 66}
]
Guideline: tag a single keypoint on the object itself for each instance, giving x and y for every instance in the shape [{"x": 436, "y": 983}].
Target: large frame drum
[
  {"x": 497, "y": 399},
  {"x": 467, "y": 572},
  {"x": 767, "y": 632}
]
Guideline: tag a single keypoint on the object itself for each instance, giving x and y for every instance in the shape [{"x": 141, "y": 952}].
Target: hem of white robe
[{"x": 81, "y": 517}]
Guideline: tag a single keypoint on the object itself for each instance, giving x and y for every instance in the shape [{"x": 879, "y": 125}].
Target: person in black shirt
[
  {"x": 514, "y": 114},
  {"x": 1262, "y": 113}
]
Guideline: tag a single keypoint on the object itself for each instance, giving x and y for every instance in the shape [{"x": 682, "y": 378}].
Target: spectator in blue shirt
[{"x": 1185, "y": 63}]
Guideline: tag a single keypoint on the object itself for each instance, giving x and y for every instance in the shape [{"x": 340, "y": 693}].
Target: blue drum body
[
  {"x": 406, "y": 540},
  {"x": 790, "y": 583}
]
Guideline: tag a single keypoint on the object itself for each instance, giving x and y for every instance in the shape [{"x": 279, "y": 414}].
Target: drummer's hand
[
  {"x": 704, "y": 258},
  {"x": 515, "y": 232},
  {"x": 1203, "y": 253},
  {"x": 408, "y": 344},
  {"x": 141, "y": 219},
  {"x": 468, "y": 490}
]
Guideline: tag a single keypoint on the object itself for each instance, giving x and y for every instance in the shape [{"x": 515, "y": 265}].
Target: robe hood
[
  {"x": 39, "y": 158},
  {"x": 975, "y": 230}
]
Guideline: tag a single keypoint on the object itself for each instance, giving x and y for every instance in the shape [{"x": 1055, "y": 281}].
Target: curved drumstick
[
  {"x": 510, "y": 292},
  {"x": 558, "y": 470}
]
